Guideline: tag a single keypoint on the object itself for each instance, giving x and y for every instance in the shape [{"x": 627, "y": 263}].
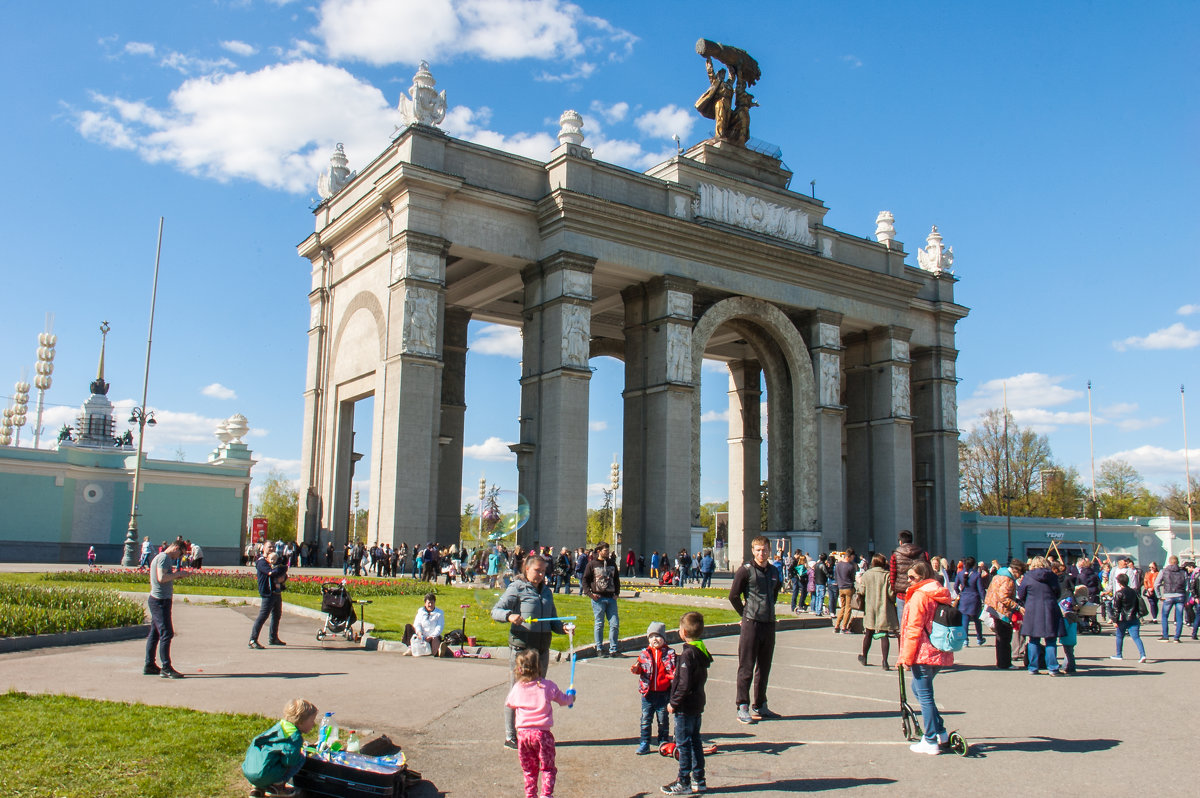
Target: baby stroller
[
  {"x": 338, "y": 607},
  {"x": 1086, "y": 612}
]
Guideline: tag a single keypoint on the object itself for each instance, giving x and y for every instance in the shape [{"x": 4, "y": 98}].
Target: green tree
[
  {"x": 708, "y": 514},
  {"x": 989, "y": 480},
  {"x": 1062, "y": 495},
  {"x": 1121, "y": 492},
  {"x": 278, "y": 502},
  {"x": 360, "y": 524},
  {"x": 1174, "y": 501},
  {"x": 468, "y": 525},
  {"x": 764, "y": 504}
]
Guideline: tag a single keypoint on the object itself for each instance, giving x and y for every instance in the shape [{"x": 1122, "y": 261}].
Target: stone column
[
  {"x": 935, "y": 444},
  {"x": 310, "y": 520},
  {"x": 453, "y": 411},
  {"x": 891, "y": 433},
  {"x": 745, "y": 457},
  {"x": 825, "y": 348},
  {"x": 657, "y": 501},
  {"x": 552, "y": 453},
  {"x": 411, "y": 390}
]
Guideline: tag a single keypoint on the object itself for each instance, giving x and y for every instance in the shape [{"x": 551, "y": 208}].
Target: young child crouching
[
  {"x": 530, "y": 698},
  {"x": 655, "y": 667},
  {"x": 276, "y": 755},
  {"x": 687, "y": 705}
]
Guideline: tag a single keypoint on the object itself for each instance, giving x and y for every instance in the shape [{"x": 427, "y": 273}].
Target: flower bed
[
  {"x": 248, "y": 582},
  {"x": 34, "y": 610}
]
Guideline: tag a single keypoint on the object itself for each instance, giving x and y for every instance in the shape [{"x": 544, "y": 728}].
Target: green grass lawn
[
  {"x": 66, "y": 747},
  {"x": 391, "y": 613}
]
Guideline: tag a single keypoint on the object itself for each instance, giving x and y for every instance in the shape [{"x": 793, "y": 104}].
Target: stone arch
[
  {"x": 607, "y": 347},
  {"x": 780, "y": 330},
  {"x": 363, "y": 300}
]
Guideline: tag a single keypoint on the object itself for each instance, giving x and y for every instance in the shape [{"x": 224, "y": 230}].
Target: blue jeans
[
  {"x": 931, "y": 719},
  {"x": 705, "y": 579},
  {"x": 819, "y": 599},
  {"x": 161, "y": 631},
  {"x": 1039, "y": 647},
  {"x": 966, "y": 624},
  {"x": 655, "y": 704},
  {"x": 1169, "y": 604},
  {"x": 1133, "y": 630},
  {"x": 606, "y": 608},
  {"x": 691, "y": 750}
]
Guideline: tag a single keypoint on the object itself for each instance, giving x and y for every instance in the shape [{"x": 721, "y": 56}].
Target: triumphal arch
[{"x": 708, "y": 255}]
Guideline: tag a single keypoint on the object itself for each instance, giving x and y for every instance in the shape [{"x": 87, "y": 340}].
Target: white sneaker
[
  {"x": 1143, "y": 659},
  {"x": 1115, "y": 657},
  {"x": 924, "y": 746}
]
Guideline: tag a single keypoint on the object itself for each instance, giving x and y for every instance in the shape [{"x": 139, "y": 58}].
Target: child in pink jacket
[{"x": 530, "y": 699}]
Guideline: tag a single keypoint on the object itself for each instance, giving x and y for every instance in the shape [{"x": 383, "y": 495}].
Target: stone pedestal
[{"x": 552, "y": 453}]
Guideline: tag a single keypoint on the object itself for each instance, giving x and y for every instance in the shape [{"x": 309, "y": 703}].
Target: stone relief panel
[
  {"x": 314, "y": 315},
  {"x": 679, "y": 353},
  {"x": 949, "y": 410},
  {"x": 420, "y": 321},
  {"x": 679, "y": 206},
  {"x": 753, "y": 213},
  {"x": 948, "y": 369},
  {"x": 900, "y": 391},
  {"x": 576, "y": 336},
  {"x": 829, "y": 335},
  {"x": 679, "y": 305},
  {"x": 829, "y": 392},
  {"x": 826, "y": 247},
  {"x": 421, "y": 265},
  {"x": 900, "y": 350},
  {"x": 577, "y": 284}
]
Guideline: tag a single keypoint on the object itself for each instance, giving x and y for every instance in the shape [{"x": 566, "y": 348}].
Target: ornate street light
[
  {"x": 614, "y": 483},
  {"x": 20, "y": 405},
  {"x": 142, "y": 418},
  {"x": 44, "y": 368}
]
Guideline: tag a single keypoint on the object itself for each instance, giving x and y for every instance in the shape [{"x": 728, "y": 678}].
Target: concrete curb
[
  {"x": 249, "y": 601},
  {"x": 31, "y": 642}
]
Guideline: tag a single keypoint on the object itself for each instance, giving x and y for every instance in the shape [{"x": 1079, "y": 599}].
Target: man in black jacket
[
  {"x": 602, "y": 583},
  {"x": 753, "y": 594},
  {"x": 272, "y": 573}
]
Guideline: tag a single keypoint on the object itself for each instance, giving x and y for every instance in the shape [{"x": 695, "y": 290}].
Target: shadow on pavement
[
  {"x": 263, "y": 675},
  {"x": 763, "y": 747},
  {"x": 1084, "y": 746},
  {"x": 882, "y": 713},
  {"x": 806, "y": 785}
]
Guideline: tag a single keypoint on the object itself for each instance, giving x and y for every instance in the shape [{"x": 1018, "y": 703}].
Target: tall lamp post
[
  {"x": 482, "y": 496},
  {"x": 142, "y": 419},
  {"x": 614, "y": 483},
  {"x": 44, "y": 368}
]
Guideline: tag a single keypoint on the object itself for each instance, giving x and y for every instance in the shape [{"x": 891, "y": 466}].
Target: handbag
[{"x": 858, "y": 601}]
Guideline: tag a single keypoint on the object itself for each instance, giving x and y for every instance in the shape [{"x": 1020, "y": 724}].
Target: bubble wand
[
  {"x": 560, "y": 618},
  {"x": 569, "y": 628}
]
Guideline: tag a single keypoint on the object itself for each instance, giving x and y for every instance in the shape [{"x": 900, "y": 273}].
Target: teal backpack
[{"x": 946, "y": 632}]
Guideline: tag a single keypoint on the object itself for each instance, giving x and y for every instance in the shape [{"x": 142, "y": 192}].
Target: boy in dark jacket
[
  {"x": 276, "y": 755},
  {"x": 687, "y": 705}
]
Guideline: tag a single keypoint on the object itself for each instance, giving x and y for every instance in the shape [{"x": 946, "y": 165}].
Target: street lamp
[
  {"x": 142, "y": 418},
  {"x": 614, "y": 483},
  {"x": 44, "y": 368},
  {"x": 482, "y": 496}
]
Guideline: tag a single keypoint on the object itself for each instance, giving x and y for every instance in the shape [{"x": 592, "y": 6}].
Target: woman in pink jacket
[{"x": 918, "y": 654}]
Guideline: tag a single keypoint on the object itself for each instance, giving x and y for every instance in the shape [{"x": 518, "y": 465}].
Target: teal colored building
[
  {"x": 1146, "y": 540},
  {"x": 55, "y": 503}
]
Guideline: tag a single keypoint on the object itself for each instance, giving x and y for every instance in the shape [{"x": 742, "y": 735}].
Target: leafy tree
[
  {"x": 707, "y": 519},
  {"x": 468, "y": 525},
  {"x": 1174, "y": 501},
  {"x": 1062, "y": 495},
  {"x": 1121, "y": 492},
  {"x": 764, "y": 503},
  {"x": 988, "y": 483},
  {"x": 278, "y": 502},
  {"x": 360, "y": 524}
]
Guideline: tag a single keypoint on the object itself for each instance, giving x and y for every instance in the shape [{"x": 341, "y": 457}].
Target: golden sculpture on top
[{"x": 727, "y": 86}]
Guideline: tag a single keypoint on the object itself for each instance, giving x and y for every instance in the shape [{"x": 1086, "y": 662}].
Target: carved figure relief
[
  {"x": 900, "y": 391},
  {"x": 420, "y": 321},
  {"x": 948, "y": 369},
  {"x": 830, "y": 389},
  {"x": 577, "y": 284},
  {"x": 679, "y": 208},
  {"x": 679, "y": 305},
  {"x": 826, "y": 247},
  {"x": 949, "y": 409},
  {"x": 900, "y": 349},
  {"x": 576, "y": 336},
  {"x": 679, "y": 353},
  {"x": 753, "y": 213}
]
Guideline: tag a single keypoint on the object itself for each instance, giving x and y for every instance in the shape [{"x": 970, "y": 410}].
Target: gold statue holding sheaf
[{"x": 726, "y": 87}]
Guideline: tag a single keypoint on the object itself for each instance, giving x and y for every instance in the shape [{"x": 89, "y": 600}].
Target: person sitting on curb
[{"x": 424, "y": 635}]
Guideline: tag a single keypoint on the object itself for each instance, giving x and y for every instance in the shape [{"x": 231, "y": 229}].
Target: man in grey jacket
[
  {"x": 1171, "y": 586},
  {"x": 527, "y": 597}
]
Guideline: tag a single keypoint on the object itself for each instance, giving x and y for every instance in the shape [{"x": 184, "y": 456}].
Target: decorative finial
[
  {"x": 885, "y": 228},
  {"x": 934, "y": 257},
  {"x": 237, "y": 426},
  {"x": 570, "y": 128},
  {"x": 338, "y": 175},
  {"x": 423, "y": 105},
  {"x": 99, "y": 386}
]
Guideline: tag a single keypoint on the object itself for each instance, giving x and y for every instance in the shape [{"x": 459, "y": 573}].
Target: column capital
[{"x": 419, "y": 257}]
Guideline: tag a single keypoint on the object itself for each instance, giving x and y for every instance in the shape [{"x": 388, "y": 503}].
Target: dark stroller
[{"x": 338, "y": 607}]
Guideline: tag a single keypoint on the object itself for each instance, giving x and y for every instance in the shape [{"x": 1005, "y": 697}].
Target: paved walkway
[{"x": 840, "y": 728}]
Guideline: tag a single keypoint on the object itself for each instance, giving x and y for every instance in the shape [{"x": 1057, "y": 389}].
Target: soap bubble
[{"x": 510, "y": 513}]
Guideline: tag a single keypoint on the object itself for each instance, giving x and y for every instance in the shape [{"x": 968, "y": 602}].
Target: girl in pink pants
[{"x": 531, "y": 699}]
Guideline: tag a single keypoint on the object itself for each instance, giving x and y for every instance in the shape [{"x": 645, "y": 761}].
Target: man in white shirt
[{"x": 428, "y": 625}]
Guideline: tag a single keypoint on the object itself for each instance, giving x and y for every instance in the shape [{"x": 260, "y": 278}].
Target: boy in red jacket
[{"x": 655, "y": 666}]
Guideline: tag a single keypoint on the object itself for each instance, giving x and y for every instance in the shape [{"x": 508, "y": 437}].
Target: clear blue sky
[{"x": 1053, "y": 144}]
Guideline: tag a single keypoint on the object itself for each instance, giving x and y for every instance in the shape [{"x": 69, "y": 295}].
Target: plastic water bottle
[
  {"x": 327, "y": 733},
  {"x": 353, "y": 745}
]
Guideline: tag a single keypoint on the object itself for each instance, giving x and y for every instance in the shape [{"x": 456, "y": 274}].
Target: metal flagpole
[
  {"x": 1007, "y": 475},
  {"x": 1092, "y": 447},
  {"x": 1187, "y": 477}
]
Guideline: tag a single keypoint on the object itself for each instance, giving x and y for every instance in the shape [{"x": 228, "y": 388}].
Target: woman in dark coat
[
  {"x": 970, "y": 599},
  {"x": 1043, "y": 623}
]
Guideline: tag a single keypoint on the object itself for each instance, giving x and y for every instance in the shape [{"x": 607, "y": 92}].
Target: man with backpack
[{"x": 602, "y": 584}]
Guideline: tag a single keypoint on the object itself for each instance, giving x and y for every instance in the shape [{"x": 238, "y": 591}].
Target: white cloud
[
  {"x": 668, "y": 121},
  {"x": 218, "y": 391},
  {"x": 384, "y": 32},
  {"x": 715, "y": 366},
  {"x": 467, "y": 123},
  {"x": 239, "y": 48},
  {"x": 1028, "y": 396},
  {"x": 1157, "y": 464},
  {"x": 190, "y": 65},
  {"x": 1177, "y": 336},
  {"x": 287, "y": 466},
  {"x": 1120, "y": 409},
  {"x": 139, "y": 48},
  {"x": 597, "y": 426},
  {"x": 853, "y": 61},
  {"x": 582, "y": 71},
  {"x": 258, "y": 126},
  {"x": 498, "y": 339},
  {"x": 493, "y": 448},
  {"x": 1188, "y": 310},
  {"x": 595, "y": 490},
  {"x": 715, "y": 415},
  {"x": 1135, "y": 424},
  {"x": 611, "y": 113}
]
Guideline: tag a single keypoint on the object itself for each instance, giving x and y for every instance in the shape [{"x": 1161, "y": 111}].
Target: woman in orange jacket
[{"x": 918, "y": 654}]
